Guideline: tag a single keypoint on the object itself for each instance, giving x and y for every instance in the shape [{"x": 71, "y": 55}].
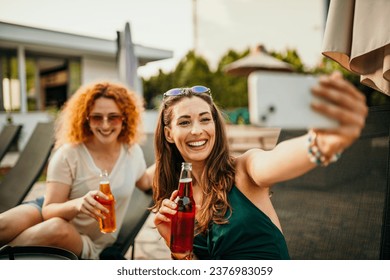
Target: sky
[{"x": 169, "y": 24}]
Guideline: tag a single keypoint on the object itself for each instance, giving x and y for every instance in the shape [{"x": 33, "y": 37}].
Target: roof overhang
[{"x": 60, "y": 43}]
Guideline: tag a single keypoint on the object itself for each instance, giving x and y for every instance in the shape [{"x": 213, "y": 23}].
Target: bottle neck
[
  {"x": 105, "y": 187},
  {"x": 185, "y": 187},
  {"x": 104, "y": 182}
]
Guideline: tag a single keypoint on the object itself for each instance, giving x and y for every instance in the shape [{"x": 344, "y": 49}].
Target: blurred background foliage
[{"x": 230, "y": 92}]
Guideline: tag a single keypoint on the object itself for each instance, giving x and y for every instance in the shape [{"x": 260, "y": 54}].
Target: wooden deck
[{"x": 245, "y": 137}]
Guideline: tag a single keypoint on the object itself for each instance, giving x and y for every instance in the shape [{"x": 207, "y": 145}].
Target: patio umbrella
[
  {"x": 127, "y": 61},
  {"x": 258, "y": 59},
  {"x": 357, "y": 36}
]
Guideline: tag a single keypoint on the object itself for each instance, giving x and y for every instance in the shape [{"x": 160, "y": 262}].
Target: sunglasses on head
[
  {"x": 183, "y": 91},
  {"x": 98, "y": 120}
]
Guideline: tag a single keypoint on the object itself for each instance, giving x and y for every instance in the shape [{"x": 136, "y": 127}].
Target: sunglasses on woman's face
[
  {"x": 98, "y": 120},
  {"x": 183, "y": 91}
]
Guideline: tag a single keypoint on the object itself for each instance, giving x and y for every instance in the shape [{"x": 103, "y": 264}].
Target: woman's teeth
[{"x": 197, "y": 143}]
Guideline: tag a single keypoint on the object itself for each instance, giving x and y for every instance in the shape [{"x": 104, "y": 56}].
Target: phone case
[{"x": 279, "y": 99}]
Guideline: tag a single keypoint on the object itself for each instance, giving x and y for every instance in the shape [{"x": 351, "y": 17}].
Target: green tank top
[{"x": 249, "y": 234}]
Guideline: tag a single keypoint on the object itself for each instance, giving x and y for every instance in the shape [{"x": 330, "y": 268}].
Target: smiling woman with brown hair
[{"x": 235, "y": 218}]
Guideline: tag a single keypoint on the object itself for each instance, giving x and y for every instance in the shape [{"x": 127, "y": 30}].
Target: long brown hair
[
  {"x": 217, "y": 178},
  {"x": 72, "y": 125}
]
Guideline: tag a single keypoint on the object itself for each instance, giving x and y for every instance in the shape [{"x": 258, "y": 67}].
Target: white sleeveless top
[{"x": 73, "y": 165}]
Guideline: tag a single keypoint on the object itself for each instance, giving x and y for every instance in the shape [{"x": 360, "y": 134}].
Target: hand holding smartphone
[{"x": 278, "y": 99}]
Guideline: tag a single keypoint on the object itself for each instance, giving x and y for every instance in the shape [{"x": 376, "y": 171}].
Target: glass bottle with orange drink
[{"x": 108, "y": 224}]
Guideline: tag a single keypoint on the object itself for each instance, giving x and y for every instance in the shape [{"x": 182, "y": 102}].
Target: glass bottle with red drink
[
  {"x": 108, "y": 224},
  {"x": 183, "y": 222}
]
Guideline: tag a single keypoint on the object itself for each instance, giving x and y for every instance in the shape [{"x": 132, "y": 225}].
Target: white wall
[
  {"x": 150, "y": 120},
  {"x": 95, "y": 69}
]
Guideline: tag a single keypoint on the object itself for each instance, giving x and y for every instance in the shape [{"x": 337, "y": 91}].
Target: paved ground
[{"x": 149, "y": 245}]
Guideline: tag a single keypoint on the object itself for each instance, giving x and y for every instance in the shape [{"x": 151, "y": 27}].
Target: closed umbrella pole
[{"x": 127, "y": 61}]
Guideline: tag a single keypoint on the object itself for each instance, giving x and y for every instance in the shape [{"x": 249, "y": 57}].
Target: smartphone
[{"x": 281, "y": 99}]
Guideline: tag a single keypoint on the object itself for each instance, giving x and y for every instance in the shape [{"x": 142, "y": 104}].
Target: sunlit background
[{"x": 209, "y": 26}]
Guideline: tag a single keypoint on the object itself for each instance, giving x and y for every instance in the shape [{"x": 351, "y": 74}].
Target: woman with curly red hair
[{"x": 98, "y": 129}]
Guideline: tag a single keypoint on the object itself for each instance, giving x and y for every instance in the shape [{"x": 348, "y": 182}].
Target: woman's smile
[
  {"x": 106, "y": 133},
  {"x": 197, "y": 144}
]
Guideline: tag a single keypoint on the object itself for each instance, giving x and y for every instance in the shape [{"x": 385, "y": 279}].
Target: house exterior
[{"x": 40, "y": 69}]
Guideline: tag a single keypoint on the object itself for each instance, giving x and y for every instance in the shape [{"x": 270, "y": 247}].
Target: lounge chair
[
  {"x": 8, "y": 135},
  {"x": 31, "y": 162},
  {"x": 135, "y": 218}
]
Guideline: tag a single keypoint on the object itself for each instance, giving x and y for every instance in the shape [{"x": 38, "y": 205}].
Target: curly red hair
[{"x": 72, "y": 125}]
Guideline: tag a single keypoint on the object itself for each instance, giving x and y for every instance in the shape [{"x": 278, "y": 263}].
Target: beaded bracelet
[{"x": 315, "y": 154}]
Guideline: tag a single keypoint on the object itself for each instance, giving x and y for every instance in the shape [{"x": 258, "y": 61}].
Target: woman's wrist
[
  {"x": 321, "y": 154},
  {"x": 188, "y": 256}
]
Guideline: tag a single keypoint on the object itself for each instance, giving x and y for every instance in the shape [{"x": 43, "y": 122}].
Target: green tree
[
  {"x": 230, "y": 91},
  {"x": 191, "y": 70},
  {"x": 155, "y": 87},
  {"x": 292, "y": 57}
]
